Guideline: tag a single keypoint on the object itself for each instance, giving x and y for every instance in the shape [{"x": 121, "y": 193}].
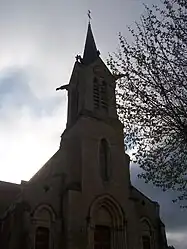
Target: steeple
[
  {"x": 90, "y": 50},
  {"x": 91, "y": 90}
]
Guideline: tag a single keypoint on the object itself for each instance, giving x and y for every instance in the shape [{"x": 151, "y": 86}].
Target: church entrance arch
[{"x": 106, "y": 226}]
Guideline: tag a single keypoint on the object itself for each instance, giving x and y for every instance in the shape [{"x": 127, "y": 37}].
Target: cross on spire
[
  {"x": 89, "y": 15},
  {"x": 90, "y": 50}
]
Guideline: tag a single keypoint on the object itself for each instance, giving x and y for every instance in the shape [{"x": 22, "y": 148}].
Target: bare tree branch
[{"x": 152, "y": 97}]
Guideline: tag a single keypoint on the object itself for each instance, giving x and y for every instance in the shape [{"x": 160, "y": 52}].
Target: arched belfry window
[
  {"x": 104, "y": 159},
  {"x": 100, "y": 97}
]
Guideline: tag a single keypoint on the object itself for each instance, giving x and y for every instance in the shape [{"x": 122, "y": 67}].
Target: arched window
[
  {"x": 146, "y": 235},
  {"x": 43, "y": 218},
  {"x": 104, "y": 160},
  {"x": 42, "y": 238}
]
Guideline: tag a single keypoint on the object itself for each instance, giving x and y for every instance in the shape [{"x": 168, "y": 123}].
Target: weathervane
[{"x": 89, "y": 15}]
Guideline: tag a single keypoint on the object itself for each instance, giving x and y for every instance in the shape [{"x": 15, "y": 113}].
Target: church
[{"x": 82, "y": 198}]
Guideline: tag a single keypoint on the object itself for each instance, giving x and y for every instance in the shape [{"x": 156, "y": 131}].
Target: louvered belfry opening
[{"x": 100, "y": 94}]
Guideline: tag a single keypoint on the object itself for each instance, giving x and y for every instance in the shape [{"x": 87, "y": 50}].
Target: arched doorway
[
  {"x": 106, "y": 228},
  {"x": 102, "y": 237}
]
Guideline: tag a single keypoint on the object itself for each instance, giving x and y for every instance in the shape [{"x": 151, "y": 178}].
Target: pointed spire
[{"x": 90, "y": 50}]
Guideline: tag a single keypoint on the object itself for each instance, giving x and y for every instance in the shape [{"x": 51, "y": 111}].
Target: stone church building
[{"x": 82, "y": 198}]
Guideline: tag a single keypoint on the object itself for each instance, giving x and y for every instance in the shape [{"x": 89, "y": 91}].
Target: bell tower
[
  {"x": 96, "y": 168},
  {"x": 91, "y": 90}
]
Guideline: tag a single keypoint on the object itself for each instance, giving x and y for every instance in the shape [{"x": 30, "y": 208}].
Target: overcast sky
[{"x": 38, "y": 44}]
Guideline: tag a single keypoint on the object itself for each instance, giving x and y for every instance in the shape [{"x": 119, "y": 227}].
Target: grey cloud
[
  {"x": 16, "y": 92},
  {"x": 60, "y": 25}
]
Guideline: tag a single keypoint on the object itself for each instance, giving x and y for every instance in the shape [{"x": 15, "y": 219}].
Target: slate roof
[{"x": 90, "y": 50}]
